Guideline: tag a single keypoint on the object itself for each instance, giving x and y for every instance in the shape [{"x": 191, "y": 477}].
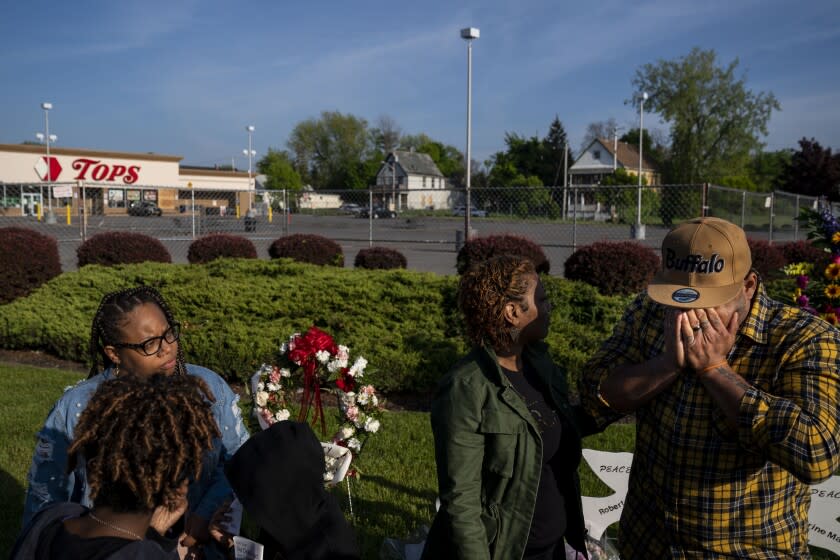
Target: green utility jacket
[{"x": 488, "y": 451}]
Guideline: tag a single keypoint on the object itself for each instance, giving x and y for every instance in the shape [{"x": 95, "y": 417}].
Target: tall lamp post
[
  {"x": 639, "y": 229},
  {"x": 46, "y": 107},
  {"x": 469, "y": 34},
  {"x": 394, "y": 181},
  {"x": 250, "y": 153}
]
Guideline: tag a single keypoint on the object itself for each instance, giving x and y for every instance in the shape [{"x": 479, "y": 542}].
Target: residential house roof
[
  {"x": 414, "y": 163},
  {"x": 627, "y": 155}
]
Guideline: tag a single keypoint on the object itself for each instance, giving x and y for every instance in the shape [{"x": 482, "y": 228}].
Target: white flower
[
  {"x": 284, "y": 348},
  {"x": 371, "y": 425},
  {"x": 284, "y": 372},
  {"x": 261, "y": 398},
  {"x": 273, "y": 387},
  {"x": 358, "y": 368},
  {"x": 374, "y": 401},
  {"x": 347, "y": 399},
  {"x": 343, "y": 354},
  {"x": 260, "y": 386},
  {"x": 346, "y": 432},
  {"x": 283, "y": 415},
  {"x": 334, "y": 366},
  {"x": 354, "y": 444},
  {"x": 322, "y": 356},
  {"x": 363, "y": 399}
]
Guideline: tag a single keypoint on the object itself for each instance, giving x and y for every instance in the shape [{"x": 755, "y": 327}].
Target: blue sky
[{"x": 185, "y": 78}]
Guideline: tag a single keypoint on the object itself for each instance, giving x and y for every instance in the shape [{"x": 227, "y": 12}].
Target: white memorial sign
[{"x": 614, "y": 470}]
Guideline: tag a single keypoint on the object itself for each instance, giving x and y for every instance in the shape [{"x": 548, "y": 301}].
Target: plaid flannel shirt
[{"x": 697, "y": 487}]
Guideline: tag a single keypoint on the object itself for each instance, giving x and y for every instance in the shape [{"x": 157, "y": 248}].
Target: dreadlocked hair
[
  {"x": 142, "y": 438},
  {"x": 111, "y": 315},
  {"x": 483, "y": 292}
]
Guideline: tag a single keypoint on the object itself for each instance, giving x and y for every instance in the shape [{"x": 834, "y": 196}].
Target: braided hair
[
  {"x": 142, "y": 438},
  {"x": 483, "y": 292},
  {"x": 111, "y": 315}
]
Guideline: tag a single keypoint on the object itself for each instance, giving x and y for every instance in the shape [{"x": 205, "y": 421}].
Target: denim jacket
[{"x": 48, "y": 478}]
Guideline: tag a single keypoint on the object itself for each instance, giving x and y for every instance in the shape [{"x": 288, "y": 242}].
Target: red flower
[{"x": 346, "y": 383}]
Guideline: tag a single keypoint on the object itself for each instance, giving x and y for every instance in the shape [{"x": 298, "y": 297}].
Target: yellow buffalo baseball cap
[{"x": 704, "y": 263}]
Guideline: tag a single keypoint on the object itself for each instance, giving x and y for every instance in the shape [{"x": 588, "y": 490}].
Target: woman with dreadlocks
[
  {"x": 134, "y": 334},
  {"x": 142, "y": 441}
]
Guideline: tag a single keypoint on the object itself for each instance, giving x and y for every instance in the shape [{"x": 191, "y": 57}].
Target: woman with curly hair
[
  {"x": 507, "y": 440},
  {"x": 134, "y": 334},
  {"x": 142, "y": 441}
]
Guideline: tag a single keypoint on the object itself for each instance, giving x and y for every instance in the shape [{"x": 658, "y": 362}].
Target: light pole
[
  {"x": 394, "y": 180},
  {"x": 639, "y": 230},
  {"x": 250, "y": 153},
  {"x": 469, "y": 34},
  {"x": 46, "y": 107}
]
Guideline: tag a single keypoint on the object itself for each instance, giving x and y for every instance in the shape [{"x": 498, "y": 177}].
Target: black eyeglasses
[{"x": 151, "y": 346}]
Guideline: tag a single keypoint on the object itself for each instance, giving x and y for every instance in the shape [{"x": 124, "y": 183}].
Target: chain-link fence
[{"x": 426, "y": 225}]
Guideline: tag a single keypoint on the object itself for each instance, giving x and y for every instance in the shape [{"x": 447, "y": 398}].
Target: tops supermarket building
[{"x": 109, "y": 182}]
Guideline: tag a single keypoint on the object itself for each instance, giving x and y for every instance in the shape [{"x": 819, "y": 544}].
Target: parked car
[
  {"x": 378, "y": 212},
  {"x": 144, "y": 208},
  {"x": 474, "y": 212},
  {"x": 349, "y": 208}
]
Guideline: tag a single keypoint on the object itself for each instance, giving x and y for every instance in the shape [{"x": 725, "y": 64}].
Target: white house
[
  {"x": 602, "y": 157},
  {"x": 411, "y": 180}
]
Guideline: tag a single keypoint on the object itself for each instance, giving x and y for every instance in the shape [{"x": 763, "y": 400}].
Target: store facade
[{"x": 111, "y": 182}]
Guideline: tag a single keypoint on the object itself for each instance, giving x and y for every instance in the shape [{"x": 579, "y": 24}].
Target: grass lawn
[{"x": 395, "y": 495}]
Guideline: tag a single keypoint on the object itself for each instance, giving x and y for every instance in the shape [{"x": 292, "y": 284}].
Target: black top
[
  {"x": 549, "y": 522},
  {"x": 278, "y": 475},
  {"x": 59, "y": 544}
]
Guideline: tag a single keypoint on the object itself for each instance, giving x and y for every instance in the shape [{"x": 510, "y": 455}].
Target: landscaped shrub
[
  {"x": 613, "y": 267},
  {"x": 406, "y": 324},
  {"x": 803, "y": 251},
  {"x": 218, "y": 245},
  {"x": 380, "y": 258},
  {"x": 767, "y": 259},
  {"x": 482, "y": 248},
  {"x": 121, "y": 247},
  {"x": 308, "y": 248},
  {"x": 27, "y": 260}
]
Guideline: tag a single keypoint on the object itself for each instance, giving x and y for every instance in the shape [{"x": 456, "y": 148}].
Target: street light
[
  {"x": 394, "y": 180},
  {"x": 47, "y": 137},
  {"x": 469, "y": 34},
  {"x": 639, "y": 230},
  {"x": 250, "y": 153}
]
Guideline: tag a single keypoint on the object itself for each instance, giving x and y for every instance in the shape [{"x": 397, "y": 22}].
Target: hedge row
[{"x": 236, "y": 313}]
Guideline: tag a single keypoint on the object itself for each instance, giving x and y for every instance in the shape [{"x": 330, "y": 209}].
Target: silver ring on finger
[{"x": 696, "y": 327}]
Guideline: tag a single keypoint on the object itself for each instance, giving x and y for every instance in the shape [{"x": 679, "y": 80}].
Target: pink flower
[
  {"x": 367, "y": 390},
  {"x": 802, "y": 300},
  {"x": 835, "y": 259},
  {"x": 802, "y": 282},
  {"x": 267, "y": 416},
  {"x": 352, "y": 413},
  {"x": 274, "y": 376}
]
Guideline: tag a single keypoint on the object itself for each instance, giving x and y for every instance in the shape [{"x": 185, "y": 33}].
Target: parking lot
[{"x": 429, "y": 243}]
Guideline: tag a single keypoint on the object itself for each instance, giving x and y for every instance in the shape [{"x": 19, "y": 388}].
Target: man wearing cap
[{"x": 736, "y": 404}]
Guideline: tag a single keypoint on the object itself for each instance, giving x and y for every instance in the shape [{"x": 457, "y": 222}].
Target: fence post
[
  {"x": 772, "y": 205},
  {"x": 370, "y": 218},
  {"x": 574, "y": 221},
  {"x": 743, "y": 207}
]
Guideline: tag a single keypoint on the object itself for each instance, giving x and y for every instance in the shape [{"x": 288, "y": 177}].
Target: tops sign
[{"x": 88, "y": 170}]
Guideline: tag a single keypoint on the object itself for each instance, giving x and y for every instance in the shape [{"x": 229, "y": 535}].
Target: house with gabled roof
[
  {"x": 603, "y": 156},
  {"x": 411, "y": 180}
]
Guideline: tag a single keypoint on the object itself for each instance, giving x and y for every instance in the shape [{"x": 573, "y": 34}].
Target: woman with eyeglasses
[{"x": 134, "y": 333}]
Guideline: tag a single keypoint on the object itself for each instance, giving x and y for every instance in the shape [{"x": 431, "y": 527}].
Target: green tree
[
  {"x": 554, "y": 146},
  {"x": 328, "y": 150},
  {"x": 653, "y": 149},
  {"x": 278, "y": 167},
  {"x": 813, "y": 171},
  {"x": 767, "y": 169},
  {"x": 715, "y": 120}
]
